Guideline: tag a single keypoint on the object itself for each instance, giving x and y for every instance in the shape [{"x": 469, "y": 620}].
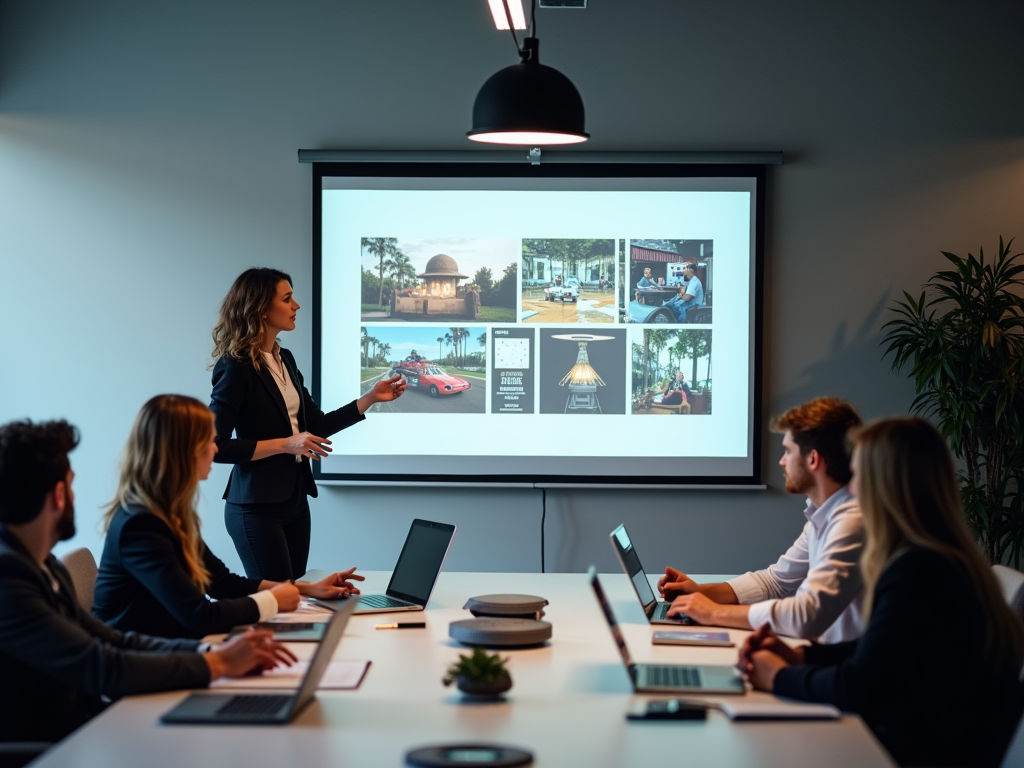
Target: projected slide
[{"x": 539, "y": 324}]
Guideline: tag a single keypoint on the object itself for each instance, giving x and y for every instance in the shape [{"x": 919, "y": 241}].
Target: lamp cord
[
  {"x": 511, "y": 26},
  {"x": 543, "y": 516},
  {"x": 533, "y": 18}
]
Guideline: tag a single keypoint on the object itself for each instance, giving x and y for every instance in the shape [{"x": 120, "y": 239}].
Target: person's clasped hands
[{"x": 763, "y": 654}]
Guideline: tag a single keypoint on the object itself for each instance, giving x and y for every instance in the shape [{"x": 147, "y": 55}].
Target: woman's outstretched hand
[{"x": 387, "y": 390}]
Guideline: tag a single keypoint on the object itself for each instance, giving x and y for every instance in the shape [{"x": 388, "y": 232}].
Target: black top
[
  {"x": 249, "y": 404},
  {"x": 917, "y": 675},
  {"x": 56, "y": 661},
  {"x": 143, "y": 584}
]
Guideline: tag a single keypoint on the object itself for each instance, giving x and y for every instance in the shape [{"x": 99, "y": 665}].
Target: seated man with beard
[{"x": 57, "y": 663}]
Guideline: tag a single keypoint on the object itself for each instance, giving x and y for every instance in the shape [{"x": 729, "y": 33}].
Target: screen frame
[{"x": 584, "y": 168}]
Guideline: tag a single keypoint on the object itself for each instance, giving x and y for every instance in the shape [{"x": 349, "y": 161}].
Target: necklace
[{"x": 279, "y": 374}]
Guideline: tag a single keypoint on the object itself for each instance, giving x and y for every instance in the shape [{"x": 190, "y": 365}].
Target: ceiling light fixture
[
  {"x": 528, "y": 103},
  {"x": 514, "y": 11}
]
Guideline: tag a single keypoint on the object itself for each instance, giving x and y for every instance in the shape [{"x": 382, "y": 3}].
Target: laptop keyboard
[
  {"x": 665, "y": 676},
  {"x": 381, "y": 601},
  {"x": 661, "y": 611},
  {"x": 253, "y": 705}
]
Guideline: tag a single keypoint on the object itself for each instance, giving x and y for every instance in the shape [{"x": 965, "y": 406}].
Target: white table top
[{"x": 567, "y": 704}]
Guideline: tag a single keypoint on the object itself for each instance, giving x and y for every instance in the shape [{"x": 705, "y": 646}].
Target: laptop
[
  {"x": 415, "y": 574},
  {"x": 258, "y": 708},
  {"x": 667, "y": 678},
  {"x": 654, "y": 609}
]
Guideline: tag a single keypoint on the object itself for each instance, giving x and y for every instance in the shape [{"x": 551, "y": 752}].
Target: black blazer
[
  {"x": 143, "y": 585},
  {"x": 56, "y": 660},
  {"x": 917, "y": 676},
  {"x": 249, "y": 404}
]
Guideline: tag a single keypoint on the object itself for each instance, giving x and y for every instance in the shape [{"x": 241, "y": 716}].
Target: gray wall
[{"x": 147, "y": 155}]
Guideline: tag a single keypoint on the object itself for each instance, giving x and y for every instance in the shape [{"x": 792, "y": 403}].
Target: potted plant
[
  {"x": 963, "y": 342},
  {"x": 480, "y": 675}
]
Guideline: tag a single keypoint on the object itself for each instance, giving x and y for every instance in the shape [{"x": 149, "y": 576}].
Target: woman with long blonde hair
[
  {"x": 269, "y": 427},
  {"x": 156, "y": 572},
  {"x": 936, "y": 673}
]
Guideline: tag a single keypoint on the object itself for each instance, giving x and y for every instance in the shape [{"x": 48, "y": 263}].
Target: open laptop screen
[
  {"x": 631, "y": 563},
  {"x": 421, "y": 560}
]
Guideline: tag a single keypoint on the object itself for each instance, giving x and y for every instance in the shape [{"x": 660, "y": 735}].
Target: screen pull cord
[{"x": 543, "y": 516}]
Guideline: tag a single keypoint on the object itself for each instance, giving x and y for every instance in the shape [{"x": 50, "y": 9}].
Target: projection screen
[{"x": 571, "y": 324}]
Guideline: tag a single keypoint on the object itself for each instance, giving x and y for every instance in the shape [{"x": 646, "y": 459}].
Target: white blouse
[{"x": 284, "y": 383}]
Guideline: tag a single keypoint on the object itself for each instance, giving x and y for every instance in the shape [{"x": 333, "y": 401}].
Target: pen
[{"x": 404, "y": 625}]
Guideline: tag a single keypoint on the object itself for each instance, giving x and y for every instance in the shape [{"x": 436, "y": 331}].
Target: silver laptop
[
  {"x": 654, "y": 609},
  {"x": 667, "y": 678},
  {"x": 419, "y": 565},
  {"x": 258, "y": 708}
]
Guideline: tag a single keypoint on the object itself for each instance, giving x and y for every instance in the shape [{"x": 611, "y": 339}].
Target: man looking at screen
[
  {"x": 815, "y": 589},
  {"x": 56, "y": 661},
  {"x": 691, "y": 294}
]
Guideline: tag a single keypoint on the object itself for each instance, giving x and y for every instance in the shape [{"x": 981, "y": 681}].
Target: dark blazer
[
  {"x": 143, "y": 585},
  {"x": 56, "y": 661},
  {"x": 917, "y": 675},
  {"x": 249, "y": 404}
]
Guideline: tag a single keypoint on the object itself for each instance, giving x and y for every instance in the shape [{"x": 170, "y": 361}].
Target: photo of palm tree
[
  {"x": 445, "y": 368},
  {"x": 671, "y": 371},
  {"x": 439, "y": 280}
]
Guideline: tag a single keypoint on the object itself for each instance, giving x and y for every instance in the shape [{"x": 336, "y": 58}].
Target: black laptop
[
  {"x": 420, "y": 563},
  {"x": 667, "y": 678},
  {"x": 654, "y": 609},
  {"x": 258, "y": 708}
]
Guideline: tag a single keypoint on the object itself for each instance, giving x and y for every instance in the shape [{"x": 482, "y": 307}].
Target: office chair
[
  {"x": 82, "y": 567},
  {"x": 1012, "y": 583}
]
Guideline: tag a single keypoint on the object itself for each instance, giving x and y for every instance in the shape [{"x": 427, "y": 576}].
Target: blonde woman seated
[
  {"x": 156, "y": 572},
  {"x": 935, "y": 674}
]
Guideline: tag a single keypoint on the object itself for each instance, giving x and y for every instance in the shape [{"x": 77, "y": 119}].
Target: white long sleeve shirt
[{"x": 815, "y": 589}]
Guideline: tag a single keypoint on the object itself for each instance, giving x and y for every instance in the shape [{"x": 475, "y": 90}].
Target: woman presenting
[
  {"x": 269, "y": 427},
  {"x": 156, "y": 572}
]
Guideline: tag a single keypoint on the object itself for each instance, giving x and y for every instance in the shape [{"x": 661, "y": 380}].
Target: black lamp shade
[{"x": 528, "y": 103}]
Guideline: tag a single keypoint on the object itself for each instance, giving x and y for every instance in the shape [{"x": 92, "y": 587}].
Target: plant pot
[{"x": 484, "y": 690}]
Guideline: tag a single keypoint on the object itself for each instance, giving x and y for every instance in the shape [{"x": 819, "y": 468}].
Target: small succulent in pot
[{"x": 480, "y": 675}]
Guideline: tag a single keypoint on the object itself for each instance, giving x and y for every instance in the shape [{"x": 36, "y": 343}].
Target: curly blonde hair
[{"x": 240, "y": 331}]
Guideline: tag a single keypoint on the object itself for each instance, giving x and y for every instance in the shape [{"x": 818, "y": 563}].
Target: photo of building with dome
[{"x": 439, "y": 279}]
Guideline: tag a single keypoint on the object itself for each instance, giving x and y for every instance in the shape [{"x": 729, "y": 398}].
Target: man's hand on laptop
[
  {"x": 244, "y": 653},
  {"x": 334, "y": 587},
  {"x": 698, "y": 607},
  {"x": 675, "y": 583}
]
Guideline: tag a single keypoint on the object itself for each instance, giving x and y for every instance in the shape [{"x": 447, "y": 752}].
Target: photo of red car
[{"x": 430, "y": 377}]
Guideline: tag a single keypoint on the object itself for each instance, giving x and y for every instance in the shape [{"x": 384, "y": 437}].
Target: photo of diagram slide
[
  {"x": 439, "y": 279},
  {"x": 582, "y": 371},
  {"x": 671, "y": 371},
  {"x": 445, "y": 368},
  {"x": 568, "y": 281}
]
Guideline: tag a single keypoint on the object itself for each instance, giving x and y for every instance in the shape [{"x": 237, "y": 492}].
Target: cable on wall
[{"x": 543, "y": 516}]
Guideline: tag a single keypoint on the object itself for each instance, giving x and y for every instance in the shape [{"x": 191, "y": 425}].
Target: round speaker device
[
  {"x": 468, "y": 756},
  {"x": 518, "y": 606},
  {"x": 500, "y": 632}
]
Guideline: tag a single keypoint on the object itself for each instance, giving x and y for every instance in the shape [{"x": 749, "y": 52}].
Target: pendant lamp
[{"x": 528, "y": 103}]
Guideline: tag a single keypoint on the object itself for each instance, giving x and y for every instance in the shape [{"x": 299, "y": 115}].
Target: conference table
[{"x": 567, "y": 705}]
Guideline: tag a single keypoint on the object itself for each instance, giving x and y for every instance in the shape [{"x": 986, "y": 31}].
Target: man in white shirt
[{"x": 815, "y": 589}]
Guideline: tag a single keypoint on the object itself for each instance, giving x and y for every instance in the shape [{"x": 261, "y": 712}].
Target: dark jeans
[{"x": 272, "y": 539}]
